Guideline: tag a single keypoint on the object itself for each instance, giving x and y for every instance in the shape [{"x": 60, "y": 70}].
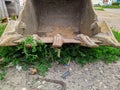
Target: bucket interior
[{"x": 58, "y": 17}]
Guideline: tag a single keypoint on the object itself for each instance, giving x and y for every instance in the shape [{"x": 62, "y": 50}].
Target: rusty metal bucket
[{"x": 59, "y": 22}]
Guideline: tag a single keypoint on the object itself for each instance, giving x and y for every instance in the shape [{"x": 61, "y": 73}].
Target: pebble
[
  {"x": 105, "y": 87},
  {"x": 86, "y": 80},
  {"x": 58, "y": 87},
  {"x": 101, "y": 83},
  {"x": 19, "y": 68},
  {"x": 28, "y": 83},
  {"x": 43, "y": 82},
  {"x": 24, "y": 88},
  {"x": 94, "y": 88},
  {"x": 86, "y": 69},
  {"x": 70, "y": 69},
  {"x": 39, "y": 86},
  {"x": 101, "y": 71},
  {"x": 38, "y": 82},
  {"x": 79, "y": 80}
]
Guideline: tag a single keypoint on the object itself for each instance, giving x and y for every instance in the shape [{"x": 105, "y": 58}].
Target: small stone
[
  {"x": 39, "y": 86},
  {"x": 70, "y": 69},
  {"x": 101, "y": 83},
  {"x": 24, "y": 88},
  {"x": 86, "y": 80},
  {"x": 33, "y": 71},
  {"x": 39, "y": 82},
  {"x": 105, "y": 87},
  {"x": 28, "y": 83},
  {"x": 58, "y": 87},
  {"x": 19, "y": 68},
  {"x": 101, "y": 71},
  {"x": 94, "y": 88},
  {"x": 43, "y": 82},
  {"x": 86, "y": 69}
]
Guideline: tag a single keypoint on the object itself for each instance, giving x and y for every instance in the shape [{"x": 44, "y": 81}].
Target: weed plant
[
  {"x": 112, "y": 7},
  {"x": 116, "y": 34},
  {"x": 99, "y": 8},
  {"x": 2, "y": 28},
  {"x": 42, "y": 55}
]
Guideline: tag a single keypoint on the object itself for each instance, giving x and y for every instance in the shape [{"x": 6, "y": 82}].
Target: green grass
[
  {"x": 116, "y": 34},
  {"x": 42, "y": 56},
  {"x": 112, "y": 7},
  {"x": 2, "y": 28},
  {"x": 2, "y": 74},
  {"x": 99, "y": 8}
]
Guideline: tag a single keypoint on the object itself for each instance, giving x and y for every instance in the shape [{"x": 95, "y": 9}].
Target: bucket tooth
[
  {"x": 10, "y": 35},
  {"x": 86, "y": 41},
  {"x": 107, "y": 40},
  {"x": 106, "y": 36},
  {"x": 58, "y": 41}
]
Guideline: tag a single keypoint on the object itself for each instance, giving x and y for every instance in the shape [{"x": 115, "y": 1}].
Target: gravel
[{"x": 96, "y": 76}]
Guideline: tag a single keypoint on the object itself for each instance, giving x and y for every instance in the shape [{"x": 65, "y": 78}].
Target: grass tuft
[
  {"x": 112, "y": 7},
  {"x": 99, "y": 8},
  {"x": 42, "y": 56},
  {"x": 2, "y": 28},
  {"x": 116, "y": 34}
]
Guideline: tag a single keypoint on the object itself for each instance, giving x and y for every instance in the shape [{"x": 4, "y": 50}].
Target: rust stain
[{"x": 65, "y": 32}]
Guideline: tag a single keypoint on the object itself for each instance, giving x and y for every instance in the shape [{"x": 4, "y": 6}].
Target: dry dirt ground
[
  {"x": 111, "y": 16},
  {"x": 96, "y": 76}
]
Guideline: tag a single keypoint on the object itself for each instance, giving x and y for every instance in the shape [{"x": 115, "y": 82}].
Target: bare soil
[
  {"x": 111, "y": 16},
  {"x": 96, "y": 76}
]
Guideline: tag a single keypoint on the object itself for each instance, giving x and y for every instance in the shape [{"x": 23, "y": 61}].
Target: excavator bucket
[{"x": 59, "y": 22}]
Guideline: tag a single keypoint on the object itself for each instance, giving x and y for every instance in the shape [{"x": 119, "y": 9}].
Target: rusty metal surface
[
  {"x": 59, "y": 22},
  {"x": 9, "y": 8},
  {"x": 3, "y": 9}
]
